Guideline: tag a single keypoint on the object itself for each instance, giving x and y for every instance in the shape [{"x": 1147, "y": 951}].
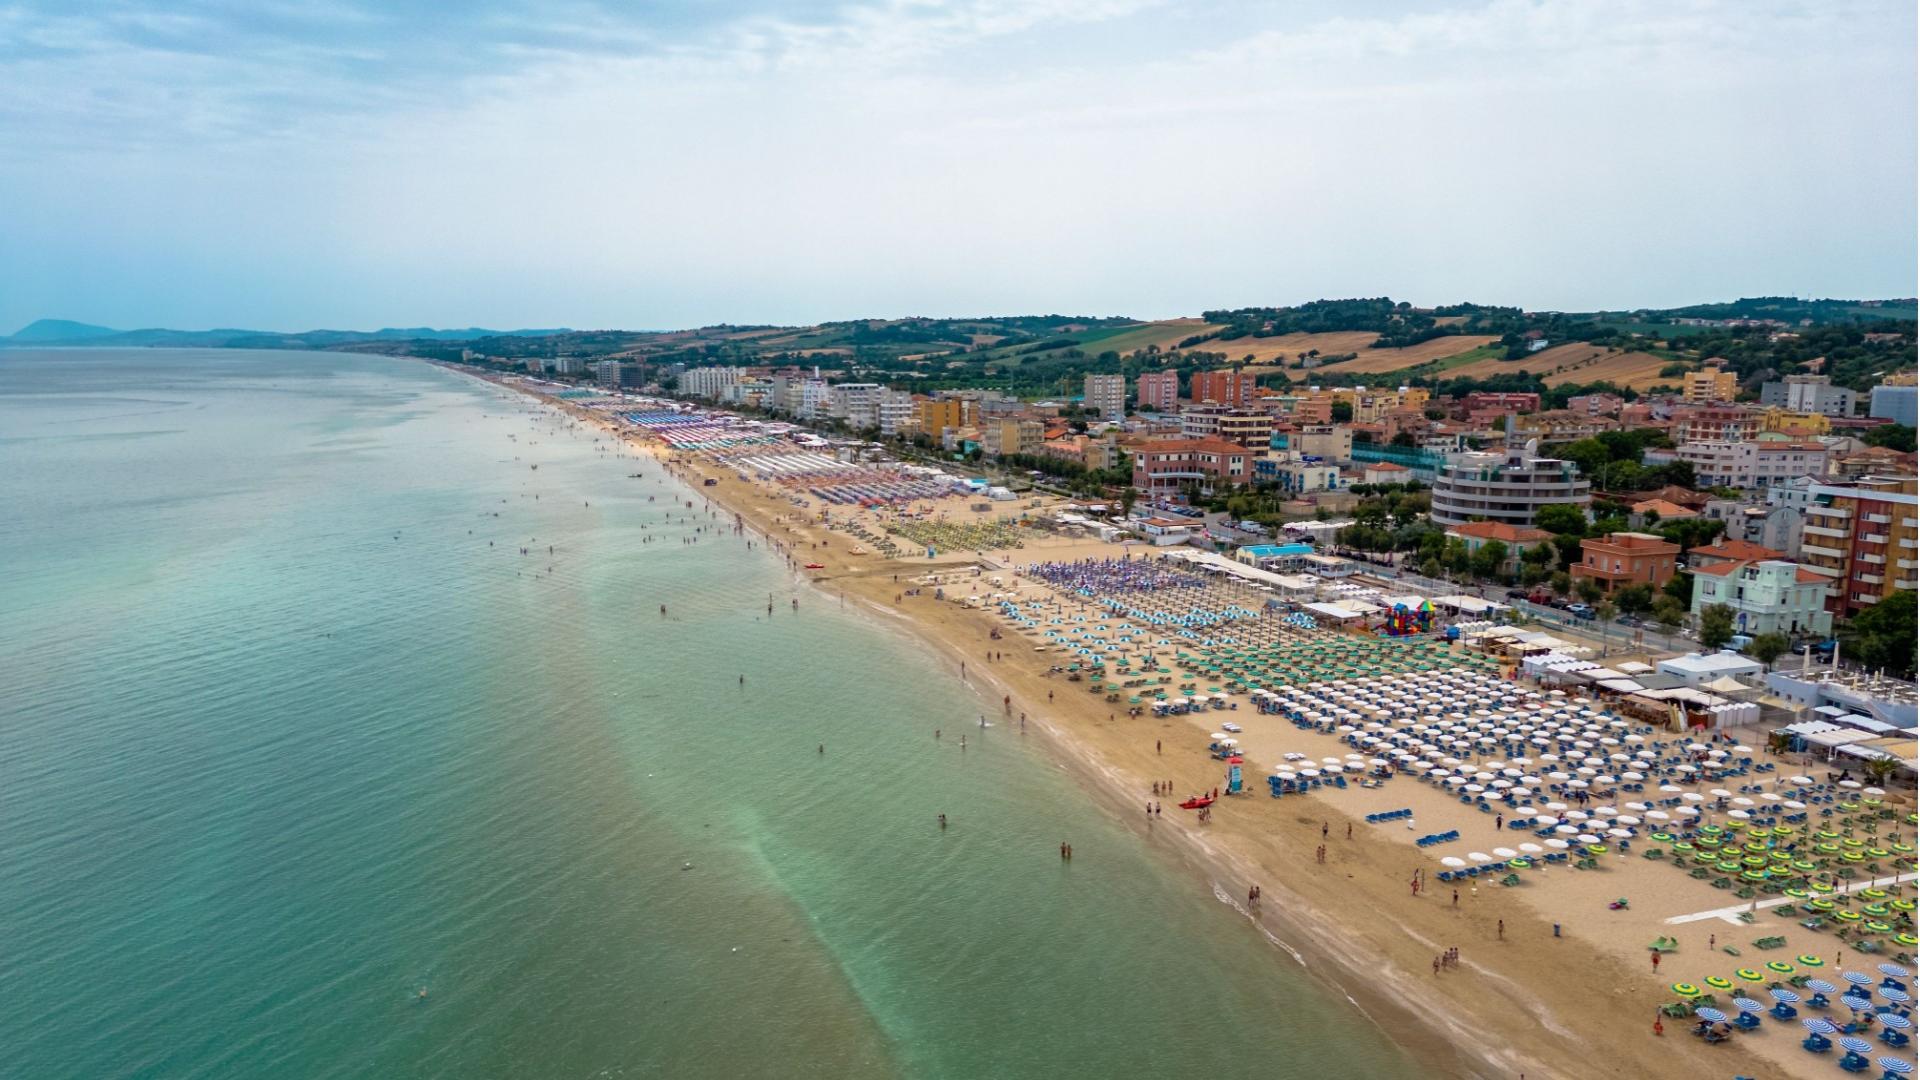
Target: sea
[{"x": 342, "y": 735}]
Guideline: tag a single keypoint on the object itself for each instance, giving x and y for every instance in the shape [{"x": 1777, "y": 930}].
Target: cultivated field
[
  {"x": 1271, "y": 352},
  {"x": 1379, "y": 361},
  {"x": 1576, "y": 363},
  {"x": 1165, "y": 333}
]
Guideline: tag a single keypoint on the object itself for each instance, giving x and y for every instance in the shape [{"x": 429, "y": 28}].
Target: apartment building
[
  {"x": 1754, "y": 463},
  {"x": 1509, "y": 485},
  {"x": 1627, "y": 558},
  {"x": 1107, "y": 395},
  {"x": 1708, "y": 386},
  {"x": 1164, "y": 468},
  {"x": 1234, "y": 388},
  {"x": 1158, "y": 391},
  {"x": 1768, "y": 596},
  {"x": 1809, "y": 393},
  {"x": 1244, "y": 427},
  {"x": 1862, "y": 538},
  {"x": 1713, "y": 423}
]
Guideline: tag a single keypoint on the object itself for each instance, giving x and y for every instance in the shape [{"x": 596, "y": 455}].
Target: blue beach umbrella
[
  {"x": 1854, "y": 1045},
  {"x": 1821, "y": 986},
  {"x": 1746, "y": 1004},
  {"x": 1858, "y": 1001},
  {"x": 1896, "y": 1066},
  {"x": 1819, "y": 1025},
  {"x": 1895, "y": 1021},
  {"x": 1895, "y": 970},
  {"x": 1898, "y": 997},
  {"x": 1784, "y": 996},
  {"x": 1857, "y": 978},
  {"x": 1714, "y": 1016}
]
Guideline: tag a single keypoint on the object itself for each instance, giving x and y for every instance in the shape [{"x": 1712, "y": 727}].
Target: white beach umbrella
[
  {"x": 1479, "y": 856},
  {"x": 1452, "y": 861}
]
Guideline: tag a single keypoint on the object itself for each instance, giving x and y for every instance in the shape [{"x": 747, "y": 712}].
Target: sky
[{"x": 286, "y": 165}]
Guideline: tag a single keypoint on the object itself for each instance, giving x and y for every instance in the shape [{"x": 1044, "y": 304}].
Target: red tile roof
[
  {"x": 1720, "y": 569},
  {"x": 1500, "y": 530},
  {"x": 1806, "y": 577},
  {"x": 1737, "y": 549}
]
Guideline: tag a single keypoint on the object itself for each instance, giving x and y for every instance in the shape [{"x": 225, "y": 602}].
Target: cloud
[{"x": 771, "y": 162}]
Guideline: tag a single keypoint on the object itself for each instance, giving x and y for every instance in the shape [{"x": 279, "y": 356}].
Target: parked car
[{"x": 1580, "y": 611}]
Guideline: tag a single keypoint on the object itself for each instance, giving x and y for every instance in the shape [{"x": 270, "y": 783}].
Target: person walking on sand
[
  {"x": 1502, "y": 932},
  {"x": 1323, "y": 830},
  {"x": 1656, "y": 961}
]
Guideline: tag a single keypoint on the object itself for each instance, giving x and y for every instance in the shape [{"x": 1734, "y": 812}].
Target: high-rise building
[
  {"x": 1894, "y": 400},
  {"x": 1107, "y": 395},
  {"x": 1709, "y": 387},
  {"x": 1510, "y": 486},
  {"x": 1159, "y": 391},
  {"x": 1864, "y": 539},
  {"x": 1810, "y": 394},
  {"x": 1222, "y": 387}
]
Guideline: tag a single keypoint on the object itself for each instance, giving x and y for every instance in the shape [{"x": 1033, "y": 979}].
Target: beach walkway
[{"x": 1732, "y": 914}]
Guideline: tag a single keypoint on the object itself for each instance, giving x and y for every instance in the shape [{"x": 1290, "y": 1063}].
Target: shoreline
[{"x": 1510, "y": 1010}]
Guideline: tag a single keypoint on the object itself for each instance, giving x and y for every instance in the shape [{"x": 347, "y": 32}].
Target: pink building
[{"x": 1159, "y": 391}]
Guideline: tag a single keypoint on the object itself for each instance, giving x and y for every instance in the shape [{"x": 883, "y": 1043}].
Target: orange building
[
  {"x": 1627, "y": 558},
  {"x": 1222, "y": 387}
]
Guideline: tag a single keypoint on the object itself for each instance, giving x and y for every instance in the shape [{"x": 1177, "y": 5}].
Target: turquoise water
[{"x": 290, "y": 730}]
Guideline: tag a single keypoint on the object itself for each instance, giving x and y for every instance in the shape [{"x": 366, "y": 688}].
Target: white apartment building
[
  {"x": 708, "y": 382},
  {"x": 894, "y": 412},
  {"x": 1510, "y": 486},
  {"x": 1749, "y": 464}
]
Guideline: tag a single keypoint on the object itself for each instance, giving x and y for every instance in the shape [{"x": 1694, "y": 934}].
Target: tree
[
  {"x": 1668, "y": 615},
  {"x": 1636, "y": 599},
  {"x": 1127, "y": 498},
  {"x": 1882, "y": 636},
  {"x": 1564, "y": 519},
  {"x": 1490, "y": 561},
  {"x": 1680, "y": 587},
  {"x": 1589, "y": 590},
  {"x": 1560, "y": 582},
  {"x": 1898, "y": 437},
  {"x": 1767, "y": 648},
  {"x": 1879, "y": 770},
  {"x": 1343, "y": 412},
  {"x": 1716, "y": 626}
]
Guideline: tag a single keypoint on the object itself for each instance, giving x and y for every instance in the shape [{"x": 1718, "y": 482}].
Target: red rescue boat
[
  {"x": 816, "y": 566},
  {"x": 1197, "y": 802}
]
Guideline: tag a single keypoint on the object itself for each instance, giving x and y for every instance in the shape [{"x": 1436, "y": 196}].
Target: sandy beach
[{"x": 1551, "y": 982}]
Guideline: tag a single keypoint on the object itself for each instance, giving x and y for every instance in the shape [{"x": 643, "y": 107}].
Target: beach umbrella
[
  {"x": 1479, "y": 856},
  {"x": 1896, "y": 1066},
  {"x": 1453, "y": 861},
  {"x": 1712, "y": 1016},
  {"x": 1783, "y": 995},
  {"x": 1855, "y": 1045},
  {"x": 1857, "y": 978},
  {"x": 1894, "y": 970},
  {"x": 1898, "y": 997},
  {"x": 1895, "y": 1021},
  {"x": 1819, "y": 1025},
  {"x": 1747, "y": 1004},
  {"x": 1821, "y": 986}
]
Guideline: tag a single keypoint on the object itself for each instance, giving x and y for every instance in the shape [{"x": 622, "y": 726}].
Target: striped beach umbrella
[
  {"x": 1857, "y": 978},
  {"x": 1898, "y": 997},
  {"x": 1895, "y": 1021},
  {"x": 1896, "y": 1066},
  {"x": 1712, "y": 1016},
  {"x": 1783, "y": 995},
  {"x": 1855, "y": 1045},
  {"x": 1821, "y": 986},
  {"x": 1747, "y": 1004},
  {"x": 1894, "y": 971},
  {"x": 1819, "y": 1025}
]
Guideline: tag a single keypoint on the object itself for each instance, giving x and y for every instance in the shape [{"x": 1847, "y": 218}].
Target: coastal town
[{"x": 1555, "y": 708}]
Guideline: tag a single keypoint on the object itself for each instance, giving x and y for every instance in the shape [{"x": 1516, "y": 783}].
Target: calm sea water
[{"x": 291, "y": 730}]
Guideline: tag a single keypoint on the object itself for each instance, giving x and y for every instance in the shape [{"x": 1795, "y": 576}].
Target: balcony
[
  {"x": 1874, "y": 538},
  {"x": 1877, "y": 560},
  {"x": 1825, "y": 552},
  {"x": 1880, "y": 519},
  {"x": 1870, "y": 579},
  {"x": 1822, "y": 530},
  {"x": 1907, "y": 564},
  {"x": 1818, "y": 510}
]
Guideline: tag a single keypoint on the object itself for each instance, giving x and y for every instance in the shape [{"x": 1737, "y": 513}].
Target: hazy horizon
[{"x": 341, "y": 165}]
